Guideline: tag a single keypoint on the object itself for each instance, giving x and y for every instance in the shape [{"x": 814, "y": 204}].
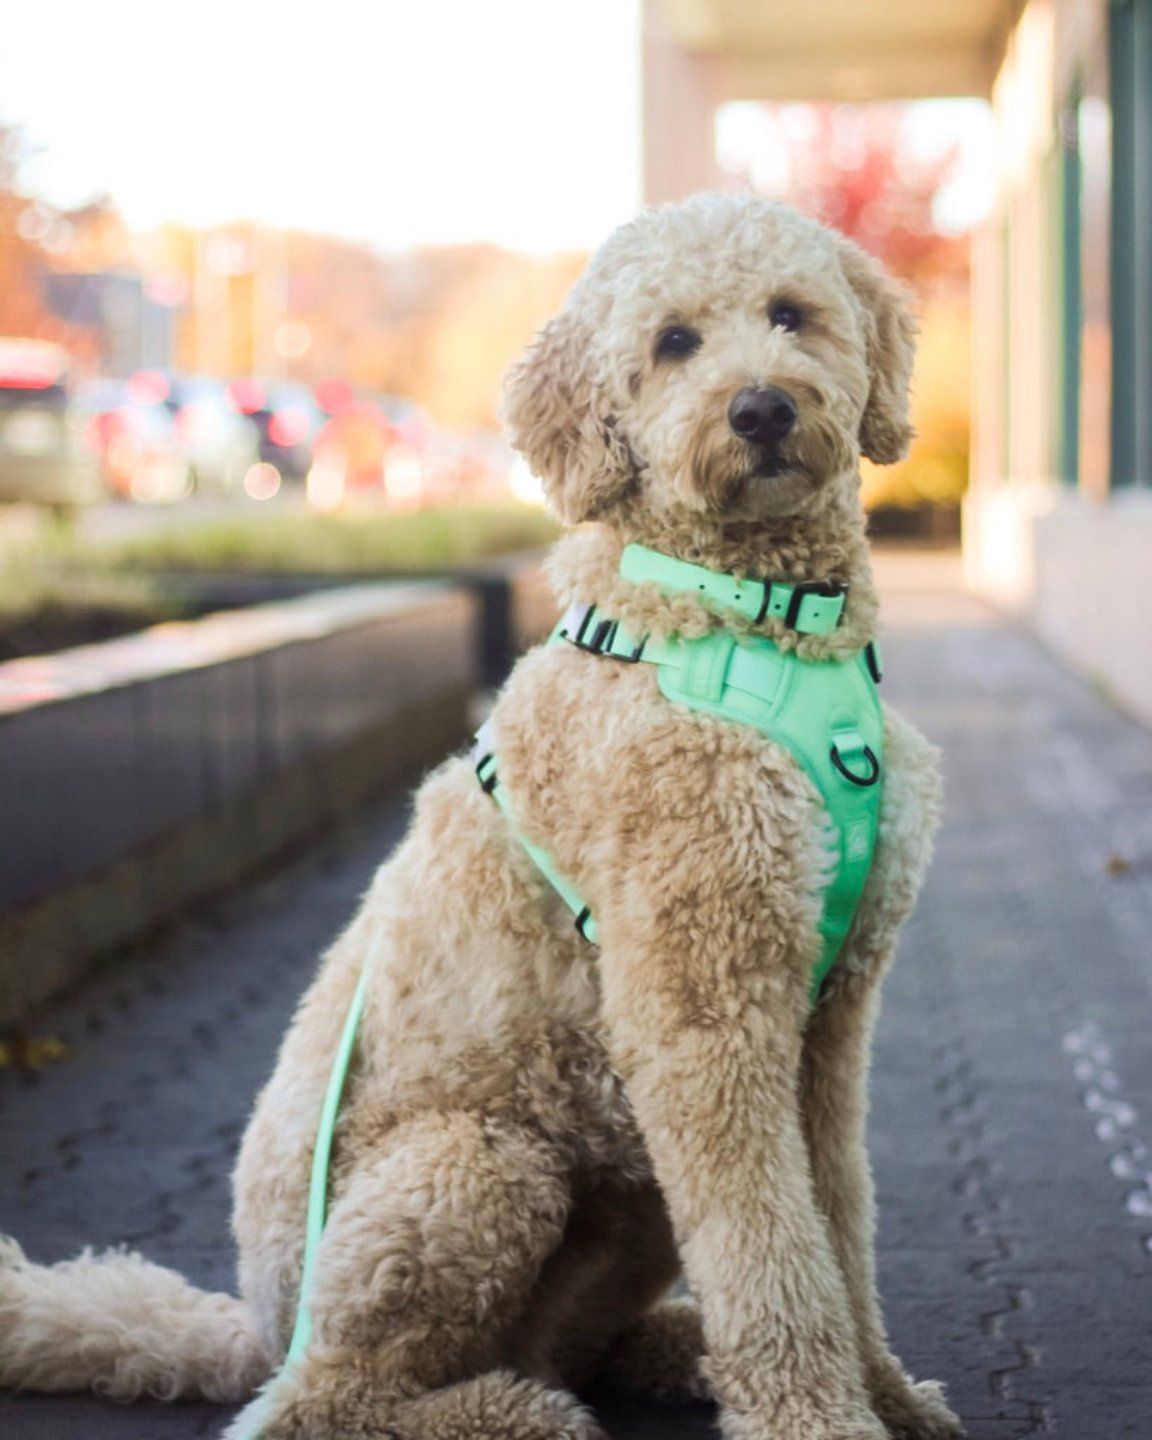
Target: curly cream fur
[{"x": 538, "y": 1135}]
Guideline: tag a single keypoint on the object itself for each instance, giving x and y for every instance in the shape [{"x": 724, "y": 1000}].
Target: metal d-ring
[{"x": 862, "y": 781}]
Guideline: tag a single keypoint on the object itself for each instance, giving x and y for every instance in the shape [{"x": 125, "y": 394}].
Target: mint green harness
[{"x": 824, "y": 711}]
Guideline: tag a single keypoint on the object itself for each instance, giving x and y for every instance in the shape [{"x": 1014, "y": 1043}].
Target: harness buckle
[
  {"x": 825, "y": 589},
  {"x": 597, "y": 638}
]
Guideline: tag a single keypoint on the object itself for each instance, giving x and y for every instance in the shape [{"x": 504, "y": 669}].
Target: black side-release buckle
[
  {"x": 599, "y": 638},
  {"x": 583, "y": 634}
]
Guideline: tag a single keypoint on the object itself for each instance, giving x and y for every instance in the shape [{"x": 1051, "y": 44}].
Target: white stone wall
[{"x": 1079, "y": 571}]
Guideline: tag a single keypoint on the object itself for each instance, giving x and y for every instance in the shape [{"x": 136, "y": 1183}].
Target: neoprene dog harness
[{"x": 825, "y": 712}]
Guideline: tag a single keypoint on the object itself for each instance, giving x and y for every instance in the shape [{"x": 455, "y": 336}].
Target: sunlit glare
[
  {"x": 262, "y": 482},
  {"x": 403, "y": 477},
  {"x": 523, "y": 484},
  {"x": 511, "y": 121},
  {"x": 324, "y": 486}
]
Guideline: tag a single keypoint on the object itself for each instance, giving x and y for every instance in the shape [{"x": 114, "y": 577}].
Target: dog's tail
[{"x": 117, "y": 1324}]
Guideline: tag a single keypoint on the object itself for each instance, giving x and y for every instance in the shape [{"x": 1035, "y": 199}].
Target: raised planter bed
[
  {"x": 514, "y": 606},
  {"x": 143, "y": 772}
]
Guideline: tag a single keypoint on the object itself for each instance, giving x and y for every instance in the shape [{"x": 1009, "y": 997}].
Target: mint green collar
[{"x": 811, "y": 608}]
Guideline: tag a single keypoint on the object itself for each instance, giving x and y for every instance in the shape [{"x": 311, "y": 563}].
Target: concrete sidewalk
[{"x": 1012, "y": 1097}]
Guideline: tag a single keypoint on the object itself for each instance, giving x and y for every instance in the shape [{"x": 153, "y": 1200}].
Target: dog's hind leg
[
  {"x": 120, "y": 1325},
  {"x": 428, "y": 1259}
]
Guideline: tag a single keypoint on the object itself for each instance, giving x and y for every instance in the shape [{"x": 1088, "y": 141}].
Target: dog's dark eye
[
  {"x": 676, "y": 342},
  {"x": 786, "y": 315}
]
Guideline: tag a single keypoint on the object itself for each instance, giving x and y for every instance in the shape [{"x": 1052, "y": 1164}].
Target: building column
[{"x": 680, "y": 96}]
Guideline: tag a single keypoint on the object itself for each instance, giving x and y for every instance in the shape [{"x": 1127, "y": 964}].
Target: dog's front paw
[
  {"x": 495, "y": 1406},
  {"x": 913, "y": 1411},
  {"x": 798, "y": 1426}
]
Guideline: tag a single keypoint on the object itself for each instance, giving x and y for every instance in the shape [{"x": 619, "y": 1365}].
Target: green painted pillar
[{"x": 1130, "y": 64}]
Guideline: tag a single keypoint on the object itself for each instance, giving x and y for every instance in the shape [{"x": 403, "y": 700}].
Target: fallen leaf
[{"x": 19, "y": 1051}]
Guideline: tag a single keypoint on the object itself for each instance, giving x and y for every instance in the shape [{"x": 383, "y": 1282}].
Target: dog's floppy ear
[
  {"x": 891, "y": 346},
  {"x": 557, "y": 420}
]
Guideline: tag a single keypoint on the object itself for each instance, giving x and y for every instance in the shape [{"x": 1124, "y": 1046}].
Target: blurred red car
[{"x": 359, "y": 454}]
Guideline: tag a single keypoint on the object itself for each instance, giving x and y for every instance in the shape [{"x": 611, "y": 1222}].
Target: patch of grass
[
  {"x": 46, "y": 606},
  {"x": 286, "y": 542},
  {"x": 61, "y": 590}
]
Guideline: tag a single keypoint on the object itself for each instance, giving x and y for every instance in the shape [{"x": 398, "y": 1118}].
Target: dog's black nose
[{"x": 764, "y": 416}]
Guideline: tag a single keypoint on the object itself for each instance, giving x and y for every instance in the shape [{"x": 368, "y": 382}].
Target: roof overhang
[{"x": 847, "y": 50}]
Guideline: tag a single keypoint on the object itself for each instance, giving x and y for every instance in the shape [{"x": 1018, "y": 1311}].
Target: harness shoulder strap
[{"x": 825, "y": 712}]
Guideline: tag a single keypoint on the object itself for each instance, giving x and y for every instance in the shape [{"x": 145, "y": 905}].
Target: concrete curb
[{"x": 140, "y": 774}]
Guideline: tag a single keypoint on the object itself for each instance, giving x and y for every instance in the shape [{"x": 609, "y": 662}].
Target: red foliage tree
[{"x": 854, "y": 168}]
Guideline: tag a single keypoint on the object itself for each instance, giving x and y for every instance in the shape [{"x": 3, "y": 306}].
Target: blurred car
[
  {"x": 287, "y": 418},
  {"x": 468, "y": 466},
  {"x": 220, "y": 443},
  {"x": 136, "y": 443},
  {"x": 43, "y": 454},
  {"x": 362, "y": 455},
  {"x": 349, "y": 456}
]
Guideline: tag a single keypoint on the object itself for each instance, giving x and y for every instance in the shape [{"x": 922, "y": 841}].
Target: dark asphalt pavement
[{"x": 1012, "y": 1094}]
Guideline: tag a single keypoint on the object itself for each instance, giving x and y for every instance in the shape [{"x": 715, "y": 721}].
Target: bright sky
[{"x": 392, "y": 121}]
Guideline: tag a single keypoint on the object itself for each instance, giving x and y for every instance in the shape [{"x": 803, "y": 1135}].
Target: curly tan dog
[{"x": 539, "y": 1133}]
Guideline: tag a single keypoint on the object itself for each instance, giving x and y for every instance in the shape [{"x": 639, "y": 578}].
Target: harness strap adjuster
[{"x": 486, "y": 772}]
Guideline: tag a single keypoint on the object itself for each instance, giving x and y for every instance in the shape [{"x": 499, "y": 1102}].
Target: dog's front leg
[
  {"x": 834, "y": 1107},
  {"x": 834, "y": 1101},
  {"x": 704, "y": 1007}
]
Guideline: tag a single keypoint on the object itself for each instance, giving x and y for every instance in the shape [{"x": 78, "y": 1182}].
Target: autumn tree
[
  {"x": 855, "y": 168},
  {"x": 22, "y": 311}
]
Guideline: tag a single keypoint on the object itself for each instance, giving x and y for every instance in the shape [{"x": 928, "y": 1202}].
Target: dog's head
[{"x": 725, "y": 356}]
